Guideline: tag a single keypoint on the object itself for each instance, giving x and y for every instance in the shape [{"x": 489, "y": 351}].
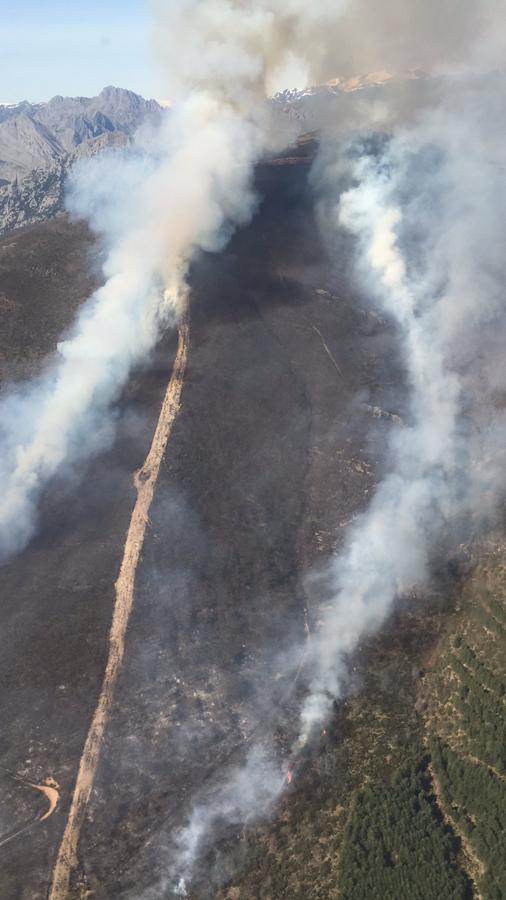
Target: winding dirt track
[
  {"x": 51, "y": 790},
  {"x": 145, "y": 482}
]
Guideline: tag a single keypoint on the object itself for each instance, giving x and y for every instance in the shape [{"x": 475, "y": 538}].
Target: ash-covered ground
[{"x": 290, "y": 386}]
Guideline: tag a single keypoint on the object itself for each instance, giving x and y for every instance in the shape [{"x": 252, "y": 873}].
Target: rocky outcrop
[{"x": 40, "y": 142}]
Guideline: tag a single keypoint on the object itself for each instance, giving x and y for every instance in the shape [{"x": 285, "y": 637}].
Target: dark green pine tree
[{"x": 397, "y": 846}]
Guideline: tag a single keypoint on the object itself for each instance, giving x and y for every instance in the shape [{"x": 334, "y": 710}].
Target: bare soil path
[{"x": 145, "y": 482}]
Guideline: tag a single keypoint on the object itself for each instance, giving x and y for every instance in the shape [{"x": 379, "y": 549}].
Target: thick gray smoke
[{"x": 247, "y": 48}]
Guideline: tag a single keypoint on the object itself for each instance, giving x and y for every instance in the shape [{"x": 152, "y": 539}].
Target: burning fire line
[{"x": 145, "y": 482}]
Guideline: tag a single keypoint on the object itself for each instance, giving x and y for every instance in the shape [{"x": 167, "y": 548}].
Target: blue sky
[{"x": 50, "y": 47}]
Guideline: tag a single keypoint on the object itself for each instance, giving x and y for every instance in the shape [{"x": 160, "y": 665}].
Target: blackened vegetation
[
  {"x": 268, "y": 460},
  {"x": 276, "y": 449},
  {"x": 46, "y": 271},
  {"x": 57, "y": 596}
]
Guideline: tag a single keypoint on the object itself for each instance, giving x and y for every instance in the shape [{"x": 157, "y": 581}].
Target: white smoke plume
[
  {"x": 427, "y": 212},
  {"x": 154, "y": 209},
  {"x": 249, "y": 788},
  {"x": 154, "y": 214},
  {"x": 387, "y": 550}
]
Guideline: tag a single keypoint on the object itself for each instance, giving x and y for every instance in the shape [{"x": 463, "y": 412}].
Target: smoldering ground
[
  {"x": 217, "y": 593},
  {"x": 416, "y": 204},
  {"x": 420, "y": 291}
]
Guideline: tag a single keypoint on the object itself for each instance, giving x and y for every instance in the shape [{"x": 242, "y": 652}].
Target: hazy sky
[{"x": 50, "y": 47}]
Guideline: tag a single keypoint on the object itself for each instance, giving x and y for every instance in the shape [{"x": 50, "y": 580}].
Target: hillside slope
[{"x": 291, "y": 386}]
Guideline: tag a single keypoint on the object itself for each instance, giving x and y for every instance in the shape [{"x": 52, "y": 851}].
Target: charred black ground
[{"x": 277, "y": 447}]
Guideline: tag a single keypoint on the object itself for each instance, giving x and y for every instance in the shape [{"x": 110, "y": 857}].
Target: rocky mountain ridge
[{"x": 39, "y": 142}]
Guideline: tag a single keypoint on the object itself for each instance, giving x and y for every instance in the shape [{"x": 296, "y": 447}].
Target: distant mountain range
[{"x": 40, "y": 141}]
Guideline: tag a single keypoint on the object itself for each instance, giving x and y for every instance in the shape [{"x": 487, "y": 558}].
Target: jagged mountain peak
[{"x": 39, "y": 141}]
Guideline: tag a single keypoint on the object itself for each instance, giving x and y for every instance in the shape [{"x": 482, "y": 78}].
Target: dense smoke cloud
[
  {"x": 241, "y": 50},
  {"x": 245, "y": 50},
  {"x": 400, "y": 36}
]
